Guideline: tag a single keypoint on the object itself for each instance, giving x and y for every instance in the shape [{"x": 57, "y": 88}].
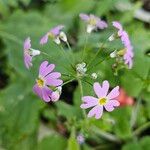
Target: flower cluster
[
  {"x": 128, "y": 49},
  {"x": 49, "y": 84}
]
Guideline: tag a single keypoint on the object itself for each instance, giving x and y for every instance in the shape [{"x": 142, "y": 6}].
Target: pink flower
[
  {"x": 128, "y": 55},
  {"x": 29, "y": 53},
  {"x": 124, "y": 99},
  {"x": 80, "y": 138},
  {"x": 104, "y": 100},
  {"x": 53, "y": 34},
  {"x": 47, "y": 81},
  {"x": 93, "y": 22}
]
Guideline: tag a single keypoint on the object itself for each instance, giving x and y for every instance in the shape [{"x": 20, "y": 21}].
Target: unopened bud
[
  {"x": 57, "y": 40},
  {"x": 63, "y": 36},
  {"x": 94, "y": 76},
  {"x": 35, "y": 52},
  {"x": 111, "y": 38},
  {"x": 113, "y": 54}
]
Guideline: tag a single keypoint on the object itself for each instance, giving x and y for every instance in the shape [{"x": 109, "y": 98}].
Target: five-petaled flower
[
  {"x": 29, "y": 53},
  {"x": 55, "y": 34},
  {"x": 47, "y": 82},
  {"x": 93, "y": 22},
  {"x": 105, "y": 100},
  {"x": 128, "y": 50}
]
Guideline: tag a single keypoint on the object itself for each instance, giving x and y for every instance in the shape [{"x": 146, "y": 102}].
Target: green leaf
[
  {"x": 54, "y": 141},
  {"x": 72, "y": 142}
]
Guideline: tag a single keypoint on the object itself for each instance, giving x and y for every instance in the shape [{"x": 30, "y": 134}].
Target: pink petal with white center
[
  {"x": 96, "y": 112},
  {"x": 89, "y": 101},
  {"x": 45, "y": 68},
  {"x": 114, "y": 93},
  {"x": 111, "y": 104},
  {"x": 84, "y": 17},
  {"x": 27, "y": 44}
]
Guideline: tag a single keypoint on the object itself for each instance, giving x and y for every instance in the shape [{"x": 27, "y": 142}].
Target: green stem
[
  {"x": 81, "y": 91},
  {"x": 108, "y": 57},
  {"x": 141, "y": 128},
  {"x": 68, "y": 81},
  {"x": 106, "y": 135},
  {"x": 135, "y": 113},
  {"x": 101, "y": 47}
]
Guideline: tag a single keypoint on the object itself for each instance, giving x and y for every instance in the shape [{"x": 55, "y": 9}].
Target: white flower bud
[
  {"x": 90, "y": 28},
  {"x": 63, "y": 36},
  {"x": 111, "y": 38},
  {"x": 113, "y": 54},
  {"x": 35, "y": 52},
  {"x": 57, "y": 40},
  {"x": 94, "y": 75}
]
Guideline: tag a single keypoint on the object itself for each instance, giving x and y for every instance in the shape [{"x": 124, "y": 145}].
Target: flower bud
[
  {"x": 113, "y": 54},
  {"x": 63, "y": 36},
  {"x": 111, "y": 38},
  {"x": 94, "y": 75},
  {"x": 90, "y": 28},
  {"x": 56, "y": 94},
  {"x": 57, "y": 40},
  {"x": 35, "y": 52}
]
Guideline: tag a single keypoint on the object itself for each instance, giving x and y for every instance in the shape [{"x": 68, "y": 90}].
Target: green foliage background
[{"x": 22, "y": 114}]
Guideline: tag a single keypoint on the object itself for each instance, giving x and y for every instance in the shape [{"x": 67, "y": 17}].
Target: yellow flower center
[
  {"x": 121, "y": 52},
  {"x": 92, "y": 21},
  {"x": 51, "y": 35},
  {"x": 40, "y": 82},
  {"x": 102, "y": 101}
]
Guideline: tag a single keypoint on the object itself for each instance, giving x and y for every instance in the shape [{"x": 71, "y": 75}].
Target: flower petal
[
  {"x": 53, "y": 82},
  {"x": 111, "y": 104},
  {"x": 53, "y": 75},
  {"x": 27, "y": 60},
  {"x": 56, "y": 30},
  {"x": 44, "y": 39},
  {"x": 102, "y": 24},
  {"x": 97, "y": 111},
  {"x": 37, "y": 90},
  {"x": 114, "y": 93},
  {"x": 46, "y": 93},
  {"x": 45, "y": 68},
  {"x": 27, "y": 43},
  {"x": 97, "y": 89},
  {"x": 105, "y": 88},
  {"x": 84, "y": 17},
  {"x": 89, "y": 101},
  {"x": 117, "y": 25}
]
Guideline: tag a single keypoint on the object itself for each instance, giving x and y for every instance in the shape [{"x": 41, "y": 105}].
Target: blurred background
[{"x": 26, "y": 122}]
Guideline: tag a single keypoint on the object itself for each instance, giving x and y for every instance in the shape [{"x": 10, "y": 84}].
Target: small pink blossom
[
  {"x": 128, "y": 55},
  {"x": 54, "y": 34},
  {"x": 47, "y": 81},
  {"x": 29, "y": 53},
  {"x": 103, "y": 100},
  {"x": 93, "y": 22}
]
